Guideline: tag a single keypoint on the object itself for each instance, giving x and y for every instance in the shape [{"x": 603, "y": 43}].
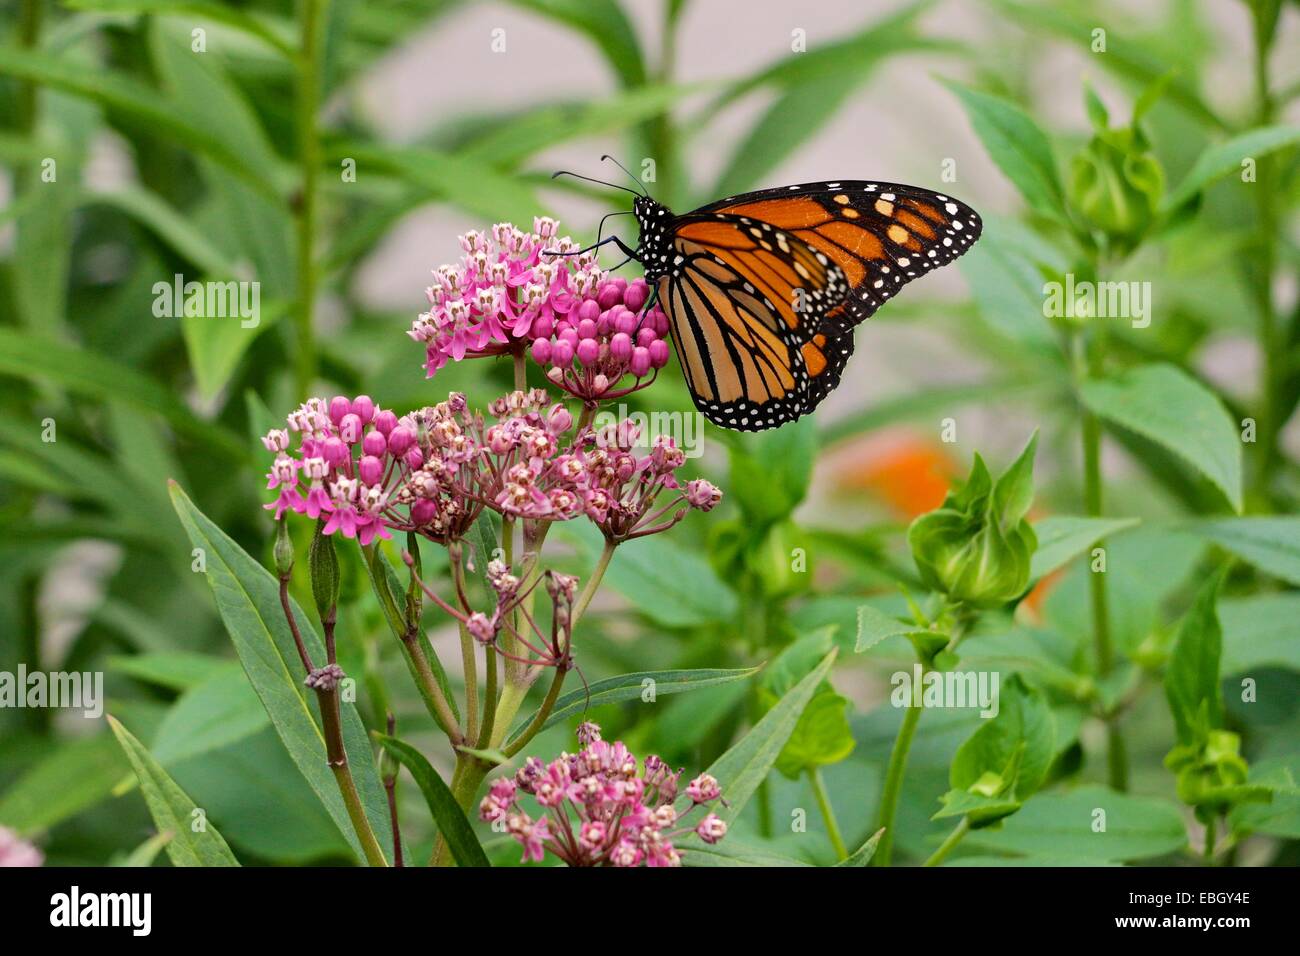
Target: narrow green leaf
[
  {"x": 605, "y": 24},
  {"x": 172, "y": 809},
  {"x": 452, "y": 824},
  {"x": 1192, "y": 675},
  {"x": 1163, "y": 404},
  {"x": 1227, "y": 157},
  {"x": 174, "y": 670},
  {"x": 1270, "y": 543},
  {"x": 1062, "y": 538},
  {"x": 615, "y": 690},
  {"x": 248, "y": 598},
  {"x": 1260, "y": 631},
  {"x": 742, "y": 768},
  {"x": 70, "y": 777},
  {"x": 243, "y": 20},
  {"x": 38, "y": 357},
  {"x": 1089, "y": 823},
  {"x": 221, "y": 711},
  {"x": 863, "y": 854},
  {"x": 1018, "y": 146}
]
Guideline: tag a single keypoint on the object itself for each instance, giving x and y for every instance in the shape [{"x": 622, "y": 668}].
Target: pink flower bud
[
  {"x": 569, "y": 335},
  {"x": 658, "y": 353},
  {"x": 339, "y": 406},
  {"x": 543, "y": 327},
  {"x": 646, "y": 336},
  {"x": 711, "y": 829},
  {"x": 385, "y": 422},
  {"x": 587, "y": 351},
  {"x": 702, "y": 494},
  {"x": 661, "y": 322},
  {"x": 626, "y": 323},
  {"x": 640, "y": 363},
  {"x": 363, "y": 408},
  {"x": 371, "y": 469},
  {"x": 414, "y": 459},
  {"x": 373, "y": 443},
  {"x": 400, "y": 439},
  {"x": 586, "y": 329},
  {"x": 590, "y": 309},
  {"x": 350, "y": 428},
  {"x": 562, "y": 353},
  {"x": 636, "y": 294},
  {"x": 335, "y": 452},
  {"x": 542, "y": 351},
  {"x": 423, "y": 511},
  {"x": 559, "y": 420},
  {"x": 608, "y": 296},
  {"x": 620, "y": 347}
]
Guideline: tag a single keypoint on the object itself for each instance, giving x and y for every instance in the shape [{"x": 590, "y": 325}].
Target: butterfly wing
[
  {"x": 746, "y": 304},
  {"x": 880, "y": 235}
]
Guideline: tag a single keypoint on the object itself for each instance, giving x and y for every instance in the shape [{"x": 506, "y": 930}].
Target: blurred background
[{"x": 332, "y": 152}]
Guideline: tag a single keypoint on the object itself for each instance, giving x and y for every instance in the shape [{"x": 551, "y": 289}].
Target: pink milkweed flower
[
  {"x": 598, "y": 810},
  {"x": 17, "y": 852}
]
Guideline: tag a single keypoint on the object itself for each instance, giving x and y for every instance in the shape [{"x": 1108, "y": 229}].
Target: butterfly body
[{"x": 763, "y": 290}]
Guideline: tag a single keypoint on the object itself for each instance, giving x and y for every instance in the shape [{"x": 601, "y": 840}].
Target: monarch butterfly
[{"x": 763, "y": 290}]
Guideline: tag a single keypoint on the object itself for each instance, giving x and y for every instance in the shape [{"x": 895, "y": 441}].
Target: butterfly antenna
[
  {"x": 640, "y": 185},
  {"x": 598, "y": 182},
  {"x": 600, "y": 230}
]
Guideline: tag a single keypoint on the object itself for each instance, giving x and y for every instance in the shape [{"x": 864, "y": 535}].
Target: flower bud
[
  {"x": 283, "y": 549},
  {"x": 323, "y": 562},
  {"x": 976, "y": 547}
]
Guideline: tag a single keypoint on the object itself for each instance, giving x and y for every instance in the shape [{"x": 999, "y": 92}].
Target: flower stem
[
  {"x": 307, "y": 106},
  {"x": 1086, "y": 366},
  {"x": 953, "y": 838},
  {"x": 1273, "y": 351},
  {"x": 828, "y": 813},
  {"x": 894, "y": 783},
  {"x": 1209, "y": 841},
  {"x": 468, "y": 651}
]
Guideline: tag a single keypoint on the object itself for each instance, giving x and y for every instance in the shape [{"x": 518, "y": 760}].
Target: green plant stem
[
  {"x": 1262, "y": 265},
  {"x": 828, "y": 813},
  {"x": 946, "y": 847},
  {"x": 468, "y": 650},
  {"x": 1091, "y": 365},
  {"x": 306, "y": 108},
  {"x": 1210, "y": 834},
  {"x": 894, "y": 783}
]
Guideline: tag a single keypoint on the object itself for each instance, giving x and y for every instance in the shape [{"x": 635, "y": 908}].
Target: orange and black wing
[
  {"x": 880, "y": 235},
  {"x": 747, "y": 303}
]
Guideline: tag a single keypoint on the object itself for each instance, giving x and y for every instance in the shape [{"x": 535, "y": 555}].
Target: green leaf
[
  {"x": 1224, "y": 158},
  {"x": 863, "y": 854},
  {"x": 217, "y": 713},
  {"x": 732, "y": 852},
  {"x": 1022, "y": 735},
  {"x": 1070, "y": 826},
  {"x": 1270, "y": 543},
  {"x": 614, "y": 690},
  {"x": 38, "y": 357},
  {"x": 605, "y": 24},
  {"x": 874, "y": 626},
  {"x": 462, "y": 182},
  {"x": 242, "y": 20},
  {"x": 1018, "y": 146},
  {"x": 248, "y": 599},
  {"x": 646, "y": 569},
  {"x": 742, "y": 768},
  {"x": 146, "y": 852},
  {"x": 1192, "y": 675},
  {"x": 141, "y": 102},
  {"x": 453, "y": 826},
  {"x": 171, "y": 809},
  {"x": 1165, "y": 405},
  {"x": 175, "y": 670},
  {"x": 1259, "y": 631},
  {"x": 69, "y": 777},
  {"x": 1062, "y": 538},
  {"x": 821, "y": 737},
  {"x": 771, "y": 472},
  {"x": 1005, "y": 272}
]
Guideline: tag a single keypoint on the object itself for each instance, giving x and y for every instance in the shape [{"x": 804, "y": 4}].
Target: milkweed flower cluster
[
  {"x": 603, "y": 807},
  {"x": 367, "y": 472},
  {"x": 590, "y": 332},
  {"x": 507, "y": 282}
]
